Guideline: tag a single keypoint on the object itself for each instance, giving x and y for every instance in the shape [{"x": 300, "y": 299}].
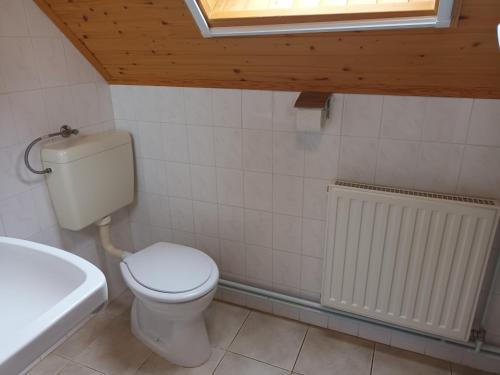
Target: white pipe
[
  {"x": 105, "y": 238},
  {"x": 254, "y": 291}
]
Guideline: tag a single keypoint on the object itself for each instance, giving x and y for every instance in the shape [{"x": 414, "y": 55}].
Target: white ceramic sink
[{"x": 44, "y": 293}]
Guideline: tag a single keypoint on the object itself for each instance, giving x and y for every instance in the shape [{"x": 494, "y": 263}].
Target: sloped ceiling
[{"x": 156, "y": 42}]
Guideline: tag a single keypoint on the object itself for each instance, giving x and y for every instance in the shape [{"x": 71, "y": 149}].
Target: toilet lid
[{"x": 170, "y": 268}]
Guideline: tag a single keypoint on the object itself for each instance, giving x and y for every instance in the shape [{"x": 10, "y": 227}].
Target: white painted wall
[{"x": 45, "y": 83}]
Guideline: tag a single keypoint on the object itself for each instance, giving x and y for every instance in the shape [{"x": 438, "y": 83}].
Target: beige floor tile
[
  {"x": 326, "y": 352},
  {"x": 462, "y": 370},
  {"x": 223, "y": 322},
  {"x": 156, "y": 365},
  {"x": 82, "y": 338},
  {"x": 50, "y": 365},
  {"x": 76, "y": 369},
  {"x": 391, "y": 361},
  {"x": 270, "y": 339},
  {"x": 120, "y": 304},
  {"x": 234, "y": 364},
  {"x": 116, "y": 350}
]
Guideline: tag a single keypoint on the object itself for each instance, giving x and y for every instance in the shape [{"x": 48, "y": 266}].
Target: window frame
[{"x": 442, "y": 19}]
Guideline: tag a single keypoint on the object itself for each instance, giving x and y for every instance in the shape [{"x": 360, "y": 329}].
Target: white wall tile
[
  {"x": 438, "y": 166},
  {"x": 198, "y": 106},
  {"x": 258, "y": 228},
  {"x": 8, "y": 131},
  {"x": 287, "y": 233},
  {"x": 258, "y": 190},
  {"x": 38, "y": 23},
  {"x": 287, "y": 193},
  {"x": 403, "y": 117},
  {"x": 60, "y": 107},
  {"x": 175, "y": 141},
  {"x": 123, "y": 102},
  {"x": 258, "y": 150},
  {"x": 29, "y": 114},
  {"x": 257, "y": 109},
  {"x": 407, "y": 341},
  {"x": 358, "y": 159},
  {"x": 181, "y": 214},
  {"x": 150, "y": 134},
  {"x": 228, "y": 148},
  {"x": 230, "y": 187},
  {"x": 477, "y": 177},
  {"x": 201, "y": 145},
  {"x": 79, "y": 69},
  {"x": 231, "y": 225},
  {"x": 12, "y": 18},
  {"x": 86, "y": 104},
  {"x": 446, "y": 120},
  {"x": 344, "y": 325},
  {"x": 161, "y": 234},
  {"x": 51, "y": 61},
  {"x": 288, "y": 153},
  {"x": 311, "y": 274},
  {"x": 284, "y": 112},
  {"x": 148, "y": 103},
  {"x": 362, "y": 115},
  {"x": 315, "y": 198},
  {"x": 184, "y": 238},
  {"x": 159, "y": 210},
  {"x": 484, "y": 129},
  {"x": 313, "y": 235},
  {"x": 333, "y": 125},
  {"x": 375, "y": 333},
  {"x": 286, "y": 269},
  {"x": 43, "y": 207},
  {"x": 19, "y": 216},
  {"x": 396, "y": 163},
  {"x": 172, "y": 105},
  {"x": 321, "y": 155},
  {"x": 204, "y": 183},
  {"x": 178, "y": 180},
  {"x": 155, "y": 179},
  {"x": 210, "y": 246},
  {"x": 206, "y": 218},
  {"x": 259, "y": 263},
  {"x": 233, "y": 257},
  {"x": 227, "y": 107}
]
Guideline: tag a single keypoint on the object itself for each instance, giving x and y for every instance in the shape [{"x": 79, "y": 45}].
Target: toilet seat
[{"x": 170, "y": 273}]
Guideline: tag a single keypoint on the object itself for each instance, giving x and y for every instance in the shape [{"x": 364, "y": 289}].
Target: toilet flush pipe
[{"x": 105, "y": 238}]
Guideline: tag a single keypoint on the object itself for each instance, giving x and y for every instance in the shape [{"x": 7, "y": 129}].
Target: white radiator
[{"x": 409, "y": 258}]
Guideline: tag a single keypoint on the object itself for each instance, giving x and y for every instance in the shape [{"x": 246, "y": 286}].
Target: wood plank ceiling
[{"x": 156, "y": 42}]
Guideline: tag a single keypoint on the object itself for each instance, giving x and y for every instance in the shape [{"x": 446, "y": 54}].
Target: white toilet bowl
[{"x": 172, "y": 285}]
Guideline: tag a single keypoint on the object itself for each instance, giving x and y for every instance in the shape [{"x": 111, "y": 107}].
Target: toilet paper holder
[{"x": 313, "y": 109}]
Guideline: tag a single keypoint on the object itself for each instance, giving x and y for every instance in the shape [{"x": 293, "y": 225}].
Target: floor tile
[
  {"x": 76, "y": 369},
  {"x": 270, "y": 339},
  {"x": 81, "y": 339},
  {"x": 156, "y": 365},
  {"x": 234, "y": 364},
  {"x": 326, "y": 352},
  {"x": 462, "y": 370},
  {"x": 50, "y": 365},
  {"x": 223, "y": 322},
  {"x": 120, "y": 304},
  {"x": 116, "y": 350},
  {"x": 391, "y": 361}
]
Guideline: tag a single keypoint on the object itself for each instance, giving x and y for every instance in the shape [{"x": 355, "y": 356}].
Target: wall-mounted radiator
[{"x": 409, "y": 258}]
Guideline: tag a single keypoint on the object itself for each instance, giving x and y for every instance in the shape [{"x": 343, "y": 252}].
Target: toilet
[
  {"x": 93, "y": 177},
  {"x": 172, "y": 285}
]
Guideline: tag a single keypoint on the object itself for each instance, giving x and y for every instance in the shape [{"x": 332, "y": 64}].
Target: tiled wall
[
  {"x": 44, "y": 83},
  {"x": 225, "y": 170}
]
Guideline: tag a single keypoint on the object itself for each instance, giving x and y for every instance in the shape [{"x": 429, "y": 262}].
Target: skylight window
[{"x": 258, "y": 17}]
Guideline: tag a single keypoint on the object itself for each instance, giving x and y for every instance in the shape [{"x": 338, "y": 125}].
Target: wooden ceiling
[{"x": 156, "y": 42}]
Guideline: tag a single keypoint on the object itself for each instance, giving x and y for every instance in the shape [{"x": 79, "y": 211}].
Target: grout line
[
  {"x": 300, "y": 349},
  {"x": 373, "y": 358},
  {"x": 239, "y": 329}
]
